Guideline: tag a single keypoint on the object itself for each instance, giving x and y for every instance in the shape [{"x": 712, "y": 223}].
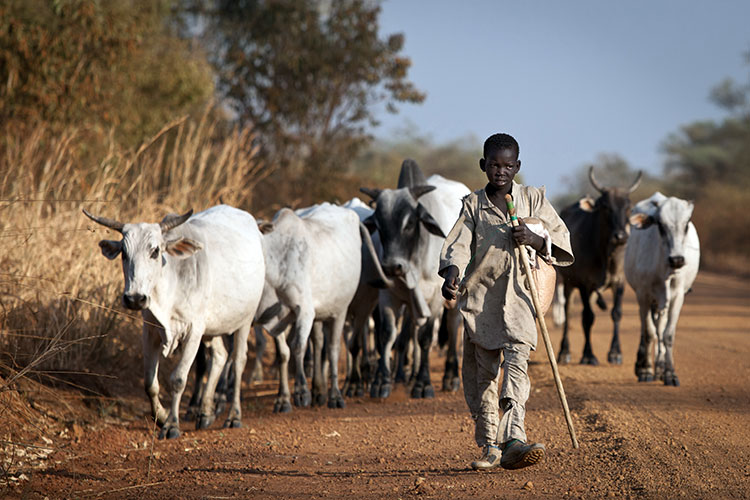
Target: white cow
[
  {"x": 191, "y": 277},
  {"x": 313, "y": 268},
  {"x": 413, "y": 221},
  {"x": 661, "y": 262}
]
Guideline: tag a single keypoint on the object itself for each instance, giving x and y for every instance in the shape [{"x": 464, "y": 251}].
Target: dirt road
[{"x": 637, "y": 440}]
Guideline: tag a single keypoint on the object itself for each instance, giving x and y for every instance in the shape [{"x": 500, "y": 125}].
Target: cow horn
[
  {"x": 593, "y": 180},
  {"x": 371, "y": 192},
  {"x": 637, "y": 182},
  {"x": 110, "y": 223},
  {"x": 171, "y": 221},
  {"x": 418, "y": 191}
]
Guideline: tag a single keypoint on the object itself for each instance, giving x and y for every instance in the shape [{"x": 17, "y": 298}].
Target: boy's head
[{"x": 500, "y": 161}]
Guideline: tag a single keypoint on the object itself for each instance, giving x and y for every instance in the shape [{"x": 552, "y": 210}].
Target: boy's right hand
[{"x": 450, "y": 286}]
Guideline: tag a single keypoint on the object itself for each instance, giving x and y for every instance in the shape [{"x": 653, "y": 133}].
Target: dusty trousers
[{"x": 481, "y": 373}]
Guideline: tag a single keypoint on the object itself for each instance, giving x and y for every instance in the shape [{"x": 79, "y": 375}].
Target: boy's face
[{"x": 501, "y": 166}]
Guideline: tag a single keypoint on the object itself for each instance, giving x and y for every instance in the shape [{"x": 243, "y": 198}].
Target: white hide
[
  {"x": 661, "y": 229},
  {"x": 313, "y": 260},
  {"x": 210, "y": 285}
]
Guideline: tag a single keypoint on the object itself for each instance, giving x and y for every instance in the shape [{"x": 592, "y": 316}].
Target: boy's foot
[
  {"x": 517, "y": 454},
  {"x": 489, "y": 460}
]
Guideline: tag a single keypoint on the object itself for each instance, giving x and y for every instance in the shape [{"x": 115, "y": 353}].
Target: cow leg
[
  {"x": 662, "y": 318},
  {"x": 615, "y": 354},
  {"x": 381, "y": 386},
  {"x": 256, "y": 376},
  {"x": 283, "y": 402},
  {"x": 670, "y": 377},
  {"x": 353, "y": 381},
  {"x": 333, "y": 344},
  {"x": 318, "y": 382},
  {"x": 404, "y": 342},
  {"x": 452, "y": 321},
  {"x": 151, "y": 351},
  {"x": 177, "y": 380},
  {"x": 644, "y": 365},
  {"x": 217, "y": 353},
  {"x": 422, "y": 385},
  {"x": 200, "y": 371},
  {"x": 239, "y": 360},
  {"x": 563, "y": 357},
  {"x": 587, "y": 320},
  {"x": 225, "y": 383},
  {"x": 302, "y": 328}
]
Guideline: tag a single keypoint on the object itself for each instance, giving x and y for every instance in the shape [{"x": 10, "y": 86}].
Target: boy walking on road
[{"x": 499, "y": 320}]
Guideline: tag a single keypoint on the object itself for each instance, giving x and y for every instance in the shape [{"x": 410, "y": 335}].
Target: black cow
[{"x": 598, "y": 233}]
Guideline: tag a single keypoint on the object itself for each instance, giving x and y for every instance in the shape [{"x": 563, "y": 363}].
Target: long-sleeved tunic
[{"x": 496, "y": 305}]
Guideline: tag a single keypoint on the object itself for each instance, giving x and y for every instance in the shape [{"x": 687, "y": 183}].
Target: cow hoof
[
  {"x": 589, "y": 360},
  {"x": 614, "y": 358},
  {"x": 232, "y": 423},
  {"x": 169, "y": 433},
  {"x": 672, "y": 380},
  {"x": 337, "y": 402},
  {"x": 302, "y": 399},
  {"x": 282, "y": 406},
  {"x": 428, "y": 392},
  {"x": 385, "y": 391},
  {"x": 319, "y": 399},
  {"x": 451, "y": 384},
  {"x": 645, "y": 377},
  {"x": 563, "y": 359},
  {"x": 204, "y": 421},
  {"x": 360, "y": 392}
]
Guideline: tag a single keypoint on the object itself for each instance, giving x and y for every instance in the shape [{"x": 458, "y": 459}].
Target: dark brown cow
[{"x": 598, "y": 233}]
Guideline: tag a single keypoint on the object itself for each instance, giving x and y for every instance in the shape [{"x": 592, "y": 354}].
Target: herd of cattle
[{"x": 313, "y": 276}]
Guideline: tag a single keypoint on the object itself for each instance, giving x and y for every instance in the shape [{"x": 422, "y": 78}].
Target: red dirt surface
[{"x": 638, "y": 440}]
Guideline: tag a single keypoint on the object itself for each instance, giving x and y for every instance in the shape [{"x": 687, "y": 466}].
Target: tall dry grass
[{"x": 60, "y": 318}]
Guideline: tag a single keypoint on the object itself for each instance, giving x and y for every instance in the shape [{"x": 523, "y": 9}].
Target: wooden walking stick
[{"x": 542, "y": 324}]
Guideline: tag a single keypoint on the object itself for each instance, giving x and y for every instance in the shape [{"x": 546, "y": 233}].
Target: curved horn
[
  {"x": 172, "y": 221},
  {"x": 418, "y": 191},
  {"x": 371, "y": 192},
  {"x": 110, "y": 223},
  {"x": 637, "y": 182},
  {"x": 593, "y": 180}
]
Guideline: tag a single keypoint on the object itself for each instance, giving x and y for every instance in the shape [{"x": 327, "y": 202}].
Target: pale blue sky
[{"x": 569, "y": 79}]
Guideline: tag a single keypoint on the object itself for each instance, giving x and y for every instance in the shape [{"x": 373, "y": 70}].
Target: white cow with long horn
[
  {"x": 193, "y": 278},
  {"x": 661, "y": 263}
]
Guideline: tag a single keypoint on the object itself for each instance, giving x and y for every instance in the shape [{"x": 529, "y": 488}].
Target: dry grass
[{"x": 60, "y": 319}]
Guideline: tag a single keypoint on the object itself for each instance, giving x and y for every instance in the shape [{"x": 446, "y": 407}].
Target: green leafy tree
[
  {"x": 709, "y": 162},
  {"x": 307, "y": 75},
  {"x": 97, "y": 64}
]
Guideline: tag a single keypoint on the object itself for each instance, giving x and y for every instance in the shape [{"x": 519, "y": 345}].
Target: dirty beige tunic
[{"x": 493, "y": 299}]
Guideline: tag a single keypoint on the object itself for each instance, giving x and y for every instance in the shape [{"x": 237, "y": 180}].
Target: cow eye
[{"x": 155, "y": 253}]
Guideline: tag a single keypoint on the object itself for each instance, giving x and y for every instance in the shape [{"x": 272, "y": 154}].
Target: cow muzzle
[
  {"x": 394, "y": 269},
  {"x": 676, "y": 261},
  {"x": 135, "y": 301},
  {"x": 620, "y": 238}
]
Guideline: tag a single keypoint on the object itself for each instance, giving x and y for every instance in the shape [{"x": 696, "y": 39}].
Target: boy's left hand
[{"x": 525, "y": 236}]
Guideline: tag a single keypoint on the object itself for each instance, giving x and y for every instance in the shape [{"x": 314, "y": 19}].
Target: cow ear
[
  {"x": 265, "y": 227},
  {"x": 110, "y": 248},
  {"x": 587, "y": 204},
  {"x": 429, "y": 221},
  {"x": 182, "y": 247},
  {"x": 369, "y": 223},
  {"x": 641, "y": 221}
]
